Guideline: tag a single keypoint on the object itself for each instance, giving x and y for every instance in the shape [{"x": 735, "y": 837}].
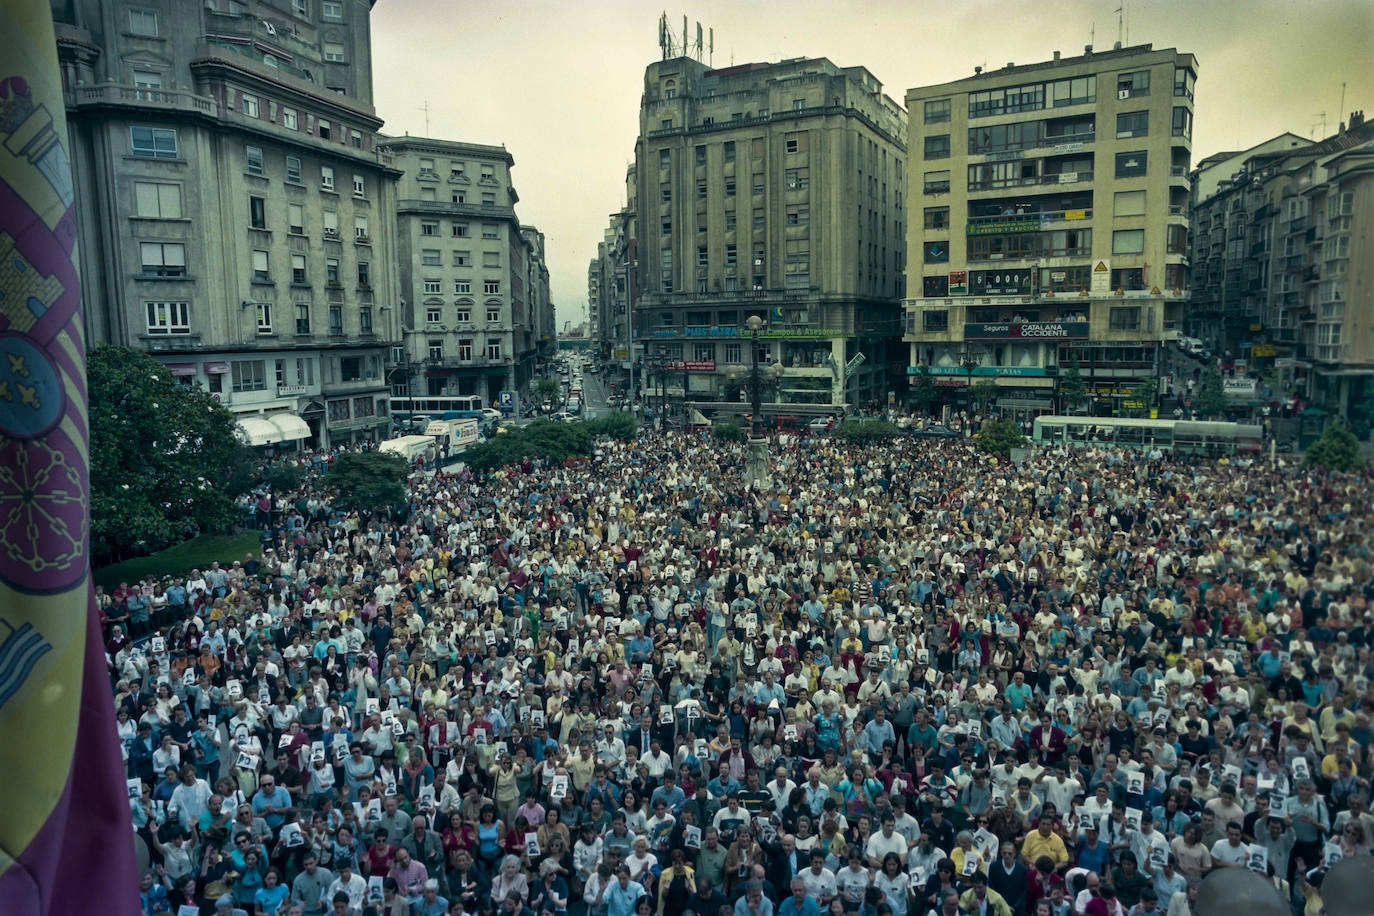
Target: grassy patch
[{"x": 196, "y": 553}]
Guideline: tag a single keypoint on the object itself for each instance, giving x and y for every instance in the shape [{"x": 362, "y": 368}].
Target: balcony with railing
[
  {"x": 448, "y": 208},
  {"x": 142, "y": 97},
  {"x": 979, "y": 225}
]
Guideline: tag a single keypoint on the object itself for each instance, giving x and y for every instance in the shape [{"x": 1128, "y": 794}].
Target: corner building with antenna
[
  {"x": 776, "y": 190},
  {"x": 1049, "y": 216}
]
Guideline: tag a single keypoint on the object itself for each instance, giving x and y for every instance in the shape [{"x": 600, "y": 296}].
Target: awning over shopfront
[
  {"x": 278, "y": 427},
  {"x": 217, "y": 368},
  {"x": 180, "y": 369}
]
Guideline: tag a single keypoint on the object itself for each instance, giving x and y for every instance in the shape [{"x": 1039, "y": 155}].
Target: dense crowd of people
[{"x": 901, "y": 679}]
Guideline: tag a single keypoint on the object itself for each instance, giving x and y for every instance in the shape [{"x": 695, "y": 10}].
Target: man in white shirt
[
  {"x": 350, "y": 883},
  {"x": 1230, "y": 851},
  {"x": 819, "y": 880},
  {"x": 780, "y": 788},
  {"x": 885, "y": 841}
]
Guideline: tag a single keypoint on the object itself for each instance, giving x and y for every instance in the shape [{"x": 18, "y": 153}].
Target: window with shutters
[
  {"x": 163, "y": 259},
  {"x": 157, "y": 200}
]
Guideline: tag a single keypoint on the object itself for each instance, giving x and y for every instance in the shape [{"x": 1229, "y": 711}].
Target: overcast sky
[{"x": 559, "y": 82}]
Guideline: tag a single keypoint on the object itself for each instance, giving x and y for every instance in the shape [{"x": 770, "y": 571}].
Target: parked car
[
  {"x": 491, "y": 413},
  {"x": 820, "y": 425},
  {"x": 935, "y": 431}
]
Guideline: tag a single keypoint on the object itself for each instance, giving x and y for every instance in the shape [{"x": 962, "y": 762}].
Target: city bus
[
  {"x": 1183, "y": 437},
  {"x": 420, "y": 410}
]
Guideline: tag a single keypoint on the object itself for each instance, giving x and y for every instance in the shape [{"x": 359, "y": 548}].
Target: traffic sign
[{"x": 506, "y": 400}]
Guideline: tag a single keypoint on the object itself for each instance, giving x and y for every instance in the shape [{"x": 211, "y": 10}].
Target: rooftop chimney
[
  {"x": 1356, "y": 119},
  {"x": 1087, "y": 49},
  {"x": 977, "y": 71},
  {"x": 1056, "y": 55}
]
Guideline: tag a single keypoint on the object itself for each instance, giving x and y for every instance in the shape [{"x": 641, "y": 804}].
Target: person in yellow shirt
[{"x": 1043, "y": 841}]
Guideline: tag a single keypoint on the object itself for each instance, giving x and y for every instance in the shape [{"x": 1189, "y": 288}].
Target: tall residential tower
[
  {"x": 1052, "y": 200},
  {"x": 234, "y": 208}
]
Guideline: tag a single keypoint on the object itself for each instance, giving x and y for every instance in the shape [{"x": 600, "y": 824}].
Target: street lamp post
[
  {"x": 756, "y": 455},
  {"x": 968, "y": 362}
]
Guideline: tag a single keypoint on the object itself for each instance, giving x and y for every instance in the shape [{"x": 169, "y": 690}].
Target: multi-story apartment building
[
  {"x": 234, "y": 214},
  {"x": 465, "y": 270},
  {"x": 771, "y": 190},
  {"x": 610, "y": 288},
  {"x": 1049, "y": 224},
  {"x": 1280, "y": 267},
  {"x": 1229, "y": 246},
  {"x": 537, "y": 294}
]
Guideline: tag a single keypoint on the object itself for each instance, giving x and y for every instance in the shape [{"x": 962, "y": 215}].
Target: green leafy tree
[
  {"x": 161, "y": 456},
  {"x": 542, "y": 439},
  {"x": 983, "y": 392},
  {"x": 1072, "y": 389},
  {"x": 1336, "y": 450},
  {"x": 1000, "y": 436},
  {"x": 922, "y": 388},
  {"x": 618, "y": 424},
  {"x": 549, "y": 389},
  {"x": 727, "y": 431},
  {"x": 1209, "y": 400},
  {"x": 1145, "y": 394},
  {"x": 368, "y": 481}
]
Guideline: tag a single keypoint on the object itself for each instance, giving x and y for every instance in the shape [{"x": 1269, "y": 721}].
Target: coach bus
[
  {"x": 410, "y": 411},
  {"x": 1184, "y": 437}
]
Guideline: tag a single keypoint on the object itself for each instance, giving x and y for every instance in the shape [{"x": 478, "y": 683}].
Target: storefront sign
[
  {"x": 986, "y": 371},
  {"x": 1261, "y": 350},
  {"x": 688, "y": 365},
  {"x": 1029, "y": 330},
  {"x": 999, "y": 226},
  {"x": 950, "y": 382},
  {"x": 769, "y": 333}
]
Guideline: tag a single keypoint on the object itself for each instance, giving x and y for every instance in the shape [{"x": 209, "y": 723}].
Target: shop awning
[
  {"x": 217, "y": 368},
  {"x": 278, "y": 427},
  {"x": 178, "y": 369}
]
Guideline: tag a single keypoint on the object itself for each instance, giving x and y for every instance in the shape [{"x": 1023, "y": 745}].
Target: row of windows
[
  {"x": 172, "y": 318},
  {"x": 434, "y": 313},
  {"x": 1054, "y": 94},
  {"x": 1030, "y": 134},
  {"x": 162, "y": 143},
  {"x": 463, "y": 353},
  {"x": 433, "y": 287},
  {"x": 457, "y": 170},
  {"x": 459, "y": 230},
  {"x": 982, "y": 176},
  {"x": 262, "y": 272},
  {"x": 458, "y": 196}
]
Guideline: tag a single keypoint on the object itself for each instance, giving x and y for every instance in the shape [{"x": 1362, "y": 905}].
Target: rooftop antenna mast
[
  {"x": 1340, "y": 112},
  {"x": 1322, "y": 116},
  {"x": 425, "y": 109}
]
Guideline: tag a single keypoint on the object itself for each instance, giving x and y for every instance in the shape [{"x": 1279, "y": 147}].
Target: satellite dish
[{"x": 1228, "y": 891}]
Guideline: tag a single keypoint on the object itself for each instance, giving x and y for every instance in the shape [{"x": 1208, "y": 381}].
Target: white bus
[{"x": 1183, "y": 437}]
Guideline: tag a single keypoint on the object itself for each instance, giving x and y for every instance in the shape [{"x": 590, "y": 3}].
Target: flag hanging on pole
[{"x": 66, "y": 841}]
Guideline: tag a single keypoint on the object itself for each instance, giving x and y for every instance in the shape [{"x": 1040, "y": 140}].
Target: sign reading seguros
[{"x": 1030, "y": 330}]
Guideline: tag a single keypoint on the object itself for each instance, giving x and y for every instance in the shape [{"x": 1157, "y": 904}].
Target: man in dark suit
[
  {"x": 785, "y": 861},
  {"x": 1007, "y": 876}
]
